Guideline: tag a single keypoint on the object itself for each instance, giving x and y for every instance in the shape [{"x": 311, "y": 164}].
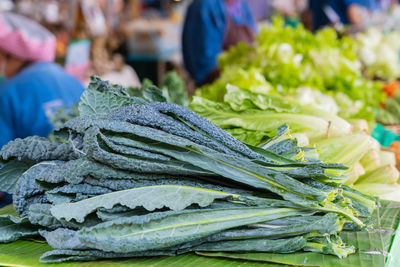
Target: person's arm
[
  {"x": 354, "y": 14},
  {"x": 203, "y": 36},
  {"x": 307, "y": 18},
  {"x": 251, "y": 20}
]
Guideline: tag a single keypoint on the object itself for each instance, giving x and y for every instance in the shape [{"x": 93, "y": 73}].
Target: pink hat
[{"x": 25, "y": 38}]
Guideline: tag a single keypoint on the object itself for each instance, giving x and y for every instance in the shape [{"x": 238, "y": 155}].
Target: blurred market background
[
  {"x": 107, "y": 36},
  {"x": 308, "y": 64}
]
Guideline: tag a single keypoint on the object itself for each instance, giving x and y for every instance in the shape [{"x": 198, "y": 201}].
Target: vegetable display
[
  {"x": 391, "y": 112},
  {"x": 310, "y": 82},
  {"x": 254, "y": 117},
  {"x": 285, "y": 59},
  {"x": 379, "y": 53},
  {"x": 130, "y": 178}
]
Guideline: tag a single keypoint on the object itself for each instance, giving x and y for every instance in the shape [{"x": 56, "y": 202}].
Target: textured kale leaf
[
  {"x": 63, "y": 238},
  {"x": 26, "y": 191},
  {"x": 148, "y": 116},
  {"x": 123, "y": 184},
  {"x": 57, "y": 256},
  {"x": 288, "y": 245},
  {"x": 135, "y": 164},
  {"x": 74, "y": 192},
  {"x": 151, "y": 198},
  {"x": 200, "y": 124},
  {"x": 76, "y": 171},
  {"x": 101, "y": 103},
  {"x": 101, "y": 98},
  {"x": 13, "y": 228},
  {"x": 10, "y": 173},
  {"x": 39, "y": 214},
  {"x": 127, "y": 235},
  {"x": 36, "y": 149}
]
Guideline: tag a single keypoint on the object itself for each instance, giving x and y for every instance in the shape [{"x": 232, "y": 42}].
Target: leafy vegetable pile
[
  {"x": 372, "y": 171},
  {"x": 172, "y": 89},
  {"x": 310, "y": 82},
  {"x": 391, "y": 113},
  {"x": 138, "y": 178},
  {"x": 379, "y": 53},
  {"x": 285, "y": 59},
  {"x": 254, "y": 117}
]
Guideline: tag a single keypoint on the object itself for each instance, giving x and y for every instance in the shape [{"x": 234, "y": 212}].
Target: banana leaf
[
  {"x": 27, "y": 253},
  {"x": 376, "y": 250}
]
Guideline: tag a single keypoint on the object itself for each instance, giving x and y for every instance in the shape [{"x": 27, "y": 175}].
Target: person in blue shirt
[
  {"x": 34, "y": 86},
  {"x": 210, "y": 27}
]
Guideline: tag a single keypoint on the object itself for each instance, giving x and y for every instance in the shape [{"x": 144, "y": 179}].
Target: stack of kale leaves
[{"x": 129, "y": 177}]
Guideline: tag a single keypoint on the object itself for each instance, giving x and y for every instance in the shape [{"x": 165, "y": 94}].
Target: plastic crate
[{"x": 384, "y": 135}]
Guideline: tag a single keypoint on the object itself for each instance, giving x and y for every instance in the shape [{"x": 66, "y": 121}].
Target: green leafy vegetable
[
  {"x": 261, "y": 245},
  {"x": 36, "y": 149},
  {"x": 284, "y": 60},
  {"x": 172, "y": 89},
  {"x": 13, "y": 228},
  {"x": 262, "y": 114},
  {"x": 132, "y": 178},
  {"x": 126, "y": 235},
  {"x": 347, "y": 149},
  {"x": 176, "y": 89},
  {"x": 10, "y": 173},
  {"x": 169, "y": 196}
]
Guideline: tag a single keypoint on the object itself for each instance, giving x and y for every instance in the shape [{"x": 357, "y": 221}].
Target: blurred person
[
  {"x": 315, "y": 16},
  {"x": 291, "y": 10},
  {"x": 261, "y": 9},
  {"x": 33, "y": 87},
  {"x": 336, "y": 13},
  {"x": 6, "y": 5},
  {"x": 387, "y": 4},
  {"x": 350, "y": 12},
  {"x": 211, "y": 27}
]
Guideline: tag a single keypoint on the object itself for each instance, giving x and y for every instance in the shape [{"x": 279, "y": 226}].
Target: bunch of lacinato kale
[{"x": 129, "y": 178}]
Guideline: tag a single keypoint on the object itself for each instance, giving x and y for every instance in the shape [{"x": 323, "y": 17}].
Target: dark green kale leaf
[
  {"x": 13, "y": 228},
  {"x": 26, "y": 191},
  {"x": 57, "y": 256},
  {"x": 101, "y": 98},
  {"x": 10, "y": 173},
  {"x": 36, "y": 149}
]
